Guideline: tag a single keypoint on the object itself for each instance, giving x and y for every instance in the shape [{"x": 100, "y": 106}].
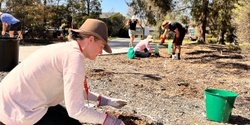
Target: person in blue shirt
[{"x": 15, "y": 25}]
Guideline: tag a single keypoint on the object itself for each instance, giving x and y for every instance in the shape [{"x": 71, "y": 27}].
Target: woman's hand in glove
[{"x": 117, "y": 103}]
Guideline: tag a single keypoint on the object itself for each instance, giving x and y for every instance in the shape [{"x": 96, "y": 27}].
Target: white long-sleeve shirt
[{"x": 47, "y": 77}]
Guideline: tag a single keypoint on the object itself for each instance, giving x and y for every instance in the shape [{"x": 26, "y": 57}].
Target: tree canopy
[{"x": 222, "y": 19}]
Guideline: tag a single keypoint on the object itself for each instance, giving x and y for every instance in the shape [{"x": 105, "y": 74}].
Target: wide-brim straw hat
[
  {"x": 96, "y": 28},
  {"x": 164, "y": 23},
  {"x": 150, "y": 38}
]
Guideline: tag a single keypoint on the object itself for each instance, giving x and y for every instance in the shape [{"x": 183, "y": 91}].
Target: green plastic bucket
[
  {"x": 131, "y": 53},
  {"x": 169, "y": 47},
  {"x": 219, "y": 104}
]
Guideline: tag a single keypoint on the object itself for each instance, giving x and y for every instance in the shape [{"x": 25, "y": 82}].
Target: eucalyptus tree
[
  {"x": 215, "y": 15},
  {"x": 82, "y": 9},
  {"x": 95, "y": 9},
  {"x": 28, "y": 11},
  {"x": 220, "y": 18},
  {"x": 241, "y": 20},
  {"x": 152, "y": 11},
  {"x": 117, "y": 23},
  {"x": 200, "y": 11}
]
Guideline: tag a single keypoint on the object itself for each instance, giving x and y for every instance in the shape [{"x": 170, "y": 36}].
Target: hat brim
[
  {"x": 152, "y": 40},
  {"x": 164, "y": 25},
  {"x": 106, "y": 47}
]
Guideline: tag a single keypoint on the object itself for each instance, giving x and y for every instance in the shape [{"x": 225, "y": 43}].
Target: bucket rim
[{"x": 233, "y": 94}]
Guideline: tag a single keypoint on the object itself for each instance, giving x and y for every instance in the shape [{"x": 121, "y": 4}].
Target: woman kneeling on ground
[{"x": 142, "y": 49}]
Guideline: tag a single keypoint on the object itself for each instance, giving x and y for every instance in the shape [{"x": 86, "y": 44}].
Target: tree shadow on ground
[
  {"x": 232, "y": 65},
  {"x": 132, "y": 120},
  {"x": 166, "y": 45},
  {"x": 209, "y": 56},
  {"x": 239, "y": 120},
  {"x": 213, "y": 57},
  {"x": 225, "y": 49},
  {"x": 200, "y": 52},
  {"x": 102, "y": 72},
  {"x": 219, "y": 48},
  {"x": 151, "y": 76}
]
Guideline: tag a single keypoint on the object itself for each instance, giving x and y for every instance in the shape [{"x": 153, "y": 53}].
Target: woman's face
[{"x": 94, "y": 48}]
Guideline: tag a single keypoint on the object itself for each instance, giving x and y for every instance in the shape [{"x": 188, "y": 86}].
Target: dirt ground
[{"x": 162, "y": 91}]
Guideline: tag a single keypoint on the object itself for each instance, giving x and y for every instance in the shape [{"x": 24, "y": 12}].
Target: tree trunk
[
  {"x": 202, "y": 37},
  {"x": 223, "y": 31},
  {"x": 44, "y": 12},
  {"x": 221, "y": 37},
  {"x": 88, "y": 7}
]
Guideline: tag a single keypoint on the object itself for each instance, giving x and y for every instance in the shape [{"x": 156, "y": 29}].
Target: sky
[{"x": 114, "y": 6}]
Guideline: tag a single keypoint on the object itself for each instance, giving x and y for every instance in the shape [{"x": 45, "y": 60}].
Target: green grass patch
[{"x": 211, "y": 40}]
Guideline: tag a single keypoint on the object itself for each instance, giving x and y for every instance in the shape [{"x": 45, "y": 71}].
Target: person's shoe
[
  {"x": 178, "y": 58},
  {"x": 171, "y": 56}
]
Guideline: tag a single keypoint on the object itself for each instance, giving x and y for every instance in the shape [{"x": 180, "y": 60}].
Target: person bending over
[
  {"x": 179, "y": 31},
  {"x": 14, "y": 23}
]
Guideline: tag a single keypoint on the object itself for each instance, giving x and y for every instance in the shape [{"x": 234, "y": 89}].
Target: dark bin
[{"x": 9, "y": 53}]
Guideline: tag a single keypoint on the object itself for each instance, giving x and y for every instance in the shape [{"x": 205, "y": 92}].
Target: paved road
[{"x": 119, "y": 45}]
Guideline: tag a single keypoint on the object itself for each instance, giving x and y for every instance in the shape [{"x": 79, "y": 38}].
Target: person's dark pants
[
  {"x": 143, "y": 54},
  {"x": 16, "y": 27},
  {"x": 179, "y": 43},
  {"x": 57, "y": 115}
]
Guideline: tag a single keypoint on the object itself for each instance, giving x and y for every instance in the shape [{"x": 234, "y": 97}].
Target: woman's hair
[{"x": 75, "y": 35}]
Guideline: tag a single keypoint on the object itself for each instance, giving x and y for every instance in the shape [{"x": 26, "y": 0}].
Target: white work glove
[
  {"x": 116, "y": 103},
  {"x": 111, "y": 120}
]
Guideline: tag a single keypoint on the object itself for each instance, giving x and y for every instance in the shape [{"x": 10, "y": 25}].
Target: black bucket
[{"x": 9, "y": 53}]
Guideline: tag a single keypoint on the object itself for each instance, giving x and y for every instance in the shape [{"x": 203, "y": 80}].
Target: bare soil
[{"x": 162, "y": 91}]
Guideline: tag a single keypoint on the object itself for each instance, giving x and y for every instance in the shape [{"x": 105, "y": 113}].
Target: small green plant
[{"x": 211, "y": 40}]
